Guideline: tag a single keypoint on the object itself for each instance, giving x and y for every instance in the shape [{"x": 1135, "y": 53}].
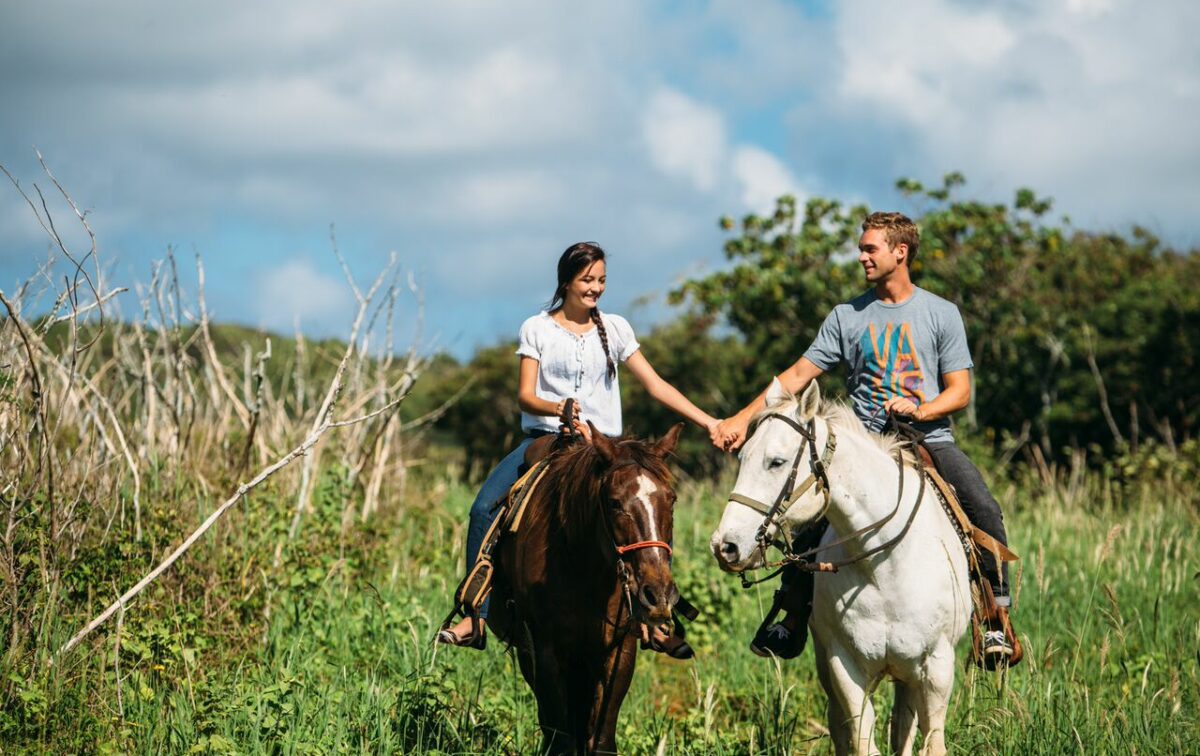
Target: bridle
[
  {"x": 624, "y": 571},
  {"x": 819, "y": 477}
]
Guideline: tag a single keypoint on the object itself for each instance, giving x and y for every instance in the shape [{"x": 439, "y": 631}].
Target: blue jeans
[{"x": 484, "y": 511}]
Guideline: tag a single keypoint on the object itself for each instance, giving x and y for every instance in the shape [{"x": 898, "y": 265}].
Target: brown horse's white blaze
[{"x": 656, "y": 590}]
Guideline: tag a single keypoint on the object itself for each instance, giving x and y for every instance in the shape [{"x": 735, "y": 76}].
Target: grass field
[{"x": 330, "y": 652}]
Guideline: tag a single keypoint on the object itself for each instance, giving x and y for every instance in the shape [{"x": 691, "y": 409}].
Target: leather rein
[{"x": 818, "y": 477}]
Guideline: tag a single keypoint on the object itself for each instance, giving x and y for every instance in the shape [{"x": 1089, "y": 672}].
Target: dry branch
[{"x": 241, "y": 492}]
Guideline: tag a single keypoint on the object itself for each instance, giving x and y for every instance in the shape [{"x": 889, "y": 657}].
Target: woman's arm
[
  {"x": 527, "y": 398},
  {"x": 666, "y": 394}
]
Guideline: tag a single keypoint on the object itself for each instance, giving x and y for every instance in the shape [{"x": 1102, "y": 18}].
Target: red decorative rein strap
[{"x": 623, "y": 550}]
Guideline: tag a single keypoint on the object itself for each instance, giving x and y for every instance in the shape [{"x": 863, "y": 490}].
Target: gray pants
[{"x": 979, "y": 504}]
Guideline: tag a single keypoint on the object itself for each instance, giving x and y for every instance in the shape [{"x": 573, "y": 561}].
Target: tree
[{"x": 1077, "y": 337}]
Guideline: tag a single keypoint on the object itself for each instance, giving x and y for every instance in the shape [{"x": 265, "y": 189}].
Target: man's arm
[
  {"x": 956, "y": 394},
  {"x": 731, "y": 432}
]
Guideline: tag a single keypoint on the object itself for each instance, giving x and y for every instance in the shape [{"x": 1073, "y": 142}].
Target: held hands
[{"x": 728, "y": 434}]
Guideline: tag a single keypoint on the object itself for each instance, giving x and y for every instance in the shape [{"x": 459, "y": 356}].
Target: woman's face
[{"x": 585, "y": 289}]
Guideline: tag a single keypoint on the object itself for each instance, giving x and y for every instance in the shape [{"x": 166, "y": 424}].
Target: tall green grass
[{"x": 331, "y": 652}]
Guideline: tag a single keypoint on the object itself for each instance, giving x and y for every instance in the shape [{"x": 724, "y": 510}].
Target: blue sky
[{"x": 477, "y": 140}]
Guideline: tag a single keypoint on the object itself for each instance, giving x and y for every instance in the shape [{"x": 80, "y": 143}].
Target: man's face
[{"x": 878, "y": 258}]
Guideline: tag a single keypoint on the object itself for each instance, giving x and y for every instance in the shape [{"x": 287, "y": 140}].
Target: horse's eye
[{"x": 776, "y": 462}]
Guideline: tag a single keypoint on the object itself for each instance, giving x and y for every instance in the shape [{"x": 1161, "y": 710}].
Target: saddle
[
  {"x": 987, "y": 613},
  {"x": 477, "y": 585}
]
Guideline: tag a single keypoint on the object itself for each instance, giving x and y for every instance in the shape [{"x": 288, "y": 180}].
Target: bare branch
[
  {"x": 217, "y": 369},
  {"x": 182, "y": 549},
  {"x": 342, "y": 262}
]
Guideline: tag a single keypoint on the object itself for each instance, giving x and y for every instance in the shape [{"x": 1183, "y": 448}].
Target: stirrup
[
  {"x": 769, "y": 639},
  {"x": 987, "y": 621},
  {"x": 468, "y": 601}
]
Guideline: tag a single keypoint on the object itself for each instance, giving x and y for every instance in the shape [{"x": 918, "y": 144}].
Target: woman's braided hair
[
  {"x": 578, "y": 257},
  {"x": 612, "y": 369}
]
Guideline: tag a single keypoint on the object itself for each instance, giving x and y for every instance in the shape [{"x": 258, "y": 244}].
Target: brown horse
[{"x": 588, "y": 567}]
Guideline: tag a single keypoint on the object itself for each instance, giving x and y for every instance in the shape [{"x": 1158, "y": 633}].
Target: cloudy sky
[{"x": 477, "y": 140}]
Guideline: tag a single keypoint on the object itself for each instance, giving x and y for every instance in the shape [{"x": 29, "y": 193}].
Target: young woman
[{"x": 570, "y": 351}]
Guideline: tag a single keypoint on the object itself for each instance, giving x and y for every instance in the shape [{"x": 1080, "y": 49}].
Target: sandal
[
  {"x": 475, "y": 640},
  {"x": 674, "y": 647}
]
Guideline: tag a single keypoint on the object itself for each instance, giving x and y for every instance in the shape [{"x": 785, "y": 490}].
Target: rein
[{"x": 818, "y": 477}]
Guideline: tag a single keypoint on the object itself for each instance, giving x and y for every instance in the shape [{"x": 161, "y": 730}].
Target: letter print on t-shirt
[{"x": 890, "y": 359}]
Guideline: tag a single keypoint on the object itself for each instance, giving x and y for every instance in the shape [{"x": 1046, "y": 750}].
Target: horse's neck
[
  {"x": 864, "y": 489},
  {"x": 571, "y": 530}
]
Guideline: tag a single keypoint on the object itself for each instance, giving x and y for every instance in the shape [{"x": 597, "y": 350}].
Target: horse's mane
[
  {"x": 841, "y": 417},
  {"x": 569, "y": 497}
]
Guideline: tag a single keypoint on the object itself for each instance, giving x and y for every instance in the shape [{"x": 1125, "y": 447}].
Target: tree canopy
[{"x": 1080, "y": 338}]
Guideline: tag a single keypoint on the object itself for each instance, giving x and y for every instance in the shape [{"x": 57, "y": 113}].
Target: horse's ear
[
  {"x": 606, "y": 448},
  {"x": 810, "y": 401},
  {"x": 666, "y": 444},
  {"x": 777, "y": 394}
]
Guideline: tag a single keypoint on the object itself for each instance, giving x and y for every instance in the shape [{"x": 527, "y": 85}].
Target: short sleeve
[
  {"x": 826, "y": 349},
  {"x": 621, "y": 337},
  {"x": 953, "y": 353},
  {"x": 528, "y": 343}
]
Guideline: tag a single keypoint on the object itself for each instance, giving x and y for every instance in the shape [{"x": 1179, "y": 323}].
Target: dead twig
[{"x": 237, "y": 496}]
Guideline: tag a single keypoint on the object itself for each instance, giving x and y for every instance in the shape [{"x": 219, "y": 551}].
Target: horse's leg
[
  {"x": 904, "y": 720},
  {"x": 933, "y": 698},
  {"x": 852, "y": 686},
  {"x": 836, "y": 718},
  {"x": 541, "y": 671},
  {"x": 608, "y": 695}
]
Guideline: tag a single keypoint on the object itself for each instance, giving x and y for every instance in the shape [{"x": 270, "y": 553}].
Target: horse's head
[
  {"x": 774, "y": 461},
  {"x": 639, "y": 510}
]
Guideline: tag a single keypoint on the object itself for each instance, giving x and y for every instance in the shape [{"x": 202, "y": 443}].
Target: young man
[{"x": 906, "y": 355}]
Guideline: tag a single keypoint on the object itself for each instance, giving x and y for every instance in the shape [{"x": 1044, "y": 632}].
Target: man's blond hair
[{"x": 897, "y": 228}]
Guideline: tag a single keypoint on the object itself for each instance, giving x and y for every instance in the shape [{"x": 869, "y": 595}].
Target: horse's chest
[{"x": 882, "y": 629}]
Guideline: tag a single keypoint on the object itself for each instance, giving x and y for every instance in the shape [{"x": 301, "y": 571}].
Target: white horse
[{"x": 899, "y": 611}]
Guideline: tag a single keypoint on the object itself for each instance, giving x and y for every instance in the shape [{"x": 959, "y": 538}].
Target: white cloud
[
  {"x": 686, "y": 139},
  {"x": 480, "y": 139},
  {"x": 906, "y": 58},
  {"x": 296, "y": 292},
  {"x": 1090, "y": 7},
  {"x": 763, "y": 179},
  {"x": 504, "y": 195},
  {"x": 1090, "y": 101}
]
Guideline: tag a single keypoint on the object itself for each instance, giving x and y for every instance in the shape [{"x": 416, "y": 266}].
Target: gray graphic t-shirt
[{"x": 894, "y": 350}]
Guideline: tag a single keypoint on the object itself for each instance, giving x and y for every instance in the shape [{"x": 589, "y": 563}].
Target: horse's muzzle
[
  {"x": 732, "y": 556},
  {"x": 657, "y": 600},
  {"x": 728, "y": 555}
]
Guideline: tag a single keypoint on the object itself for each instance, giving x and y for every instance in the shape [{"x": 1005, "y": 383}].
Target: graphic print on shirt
[{"x": 890, "y": 359}]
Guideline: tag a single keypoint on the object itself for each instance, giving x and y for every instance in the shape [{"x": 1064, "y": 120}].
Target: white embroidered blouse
[{"x": 572, "y": 366}]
